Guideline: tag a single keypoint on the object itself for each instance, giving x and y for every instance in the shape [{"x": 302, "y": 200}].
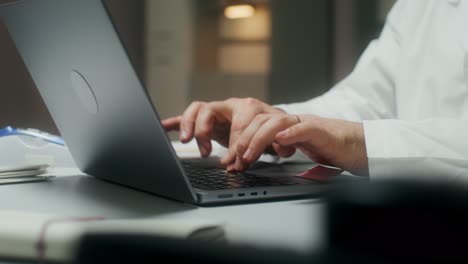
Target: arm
[
  {"x": 368, "y": 92},
  {"x": 224, "y": 121},
  {"x": 394, "y": 148}
]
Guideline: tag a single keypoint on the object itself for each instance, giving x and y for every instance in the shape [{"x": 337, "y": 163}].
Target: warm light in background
[{"x": 239, "y": 11}]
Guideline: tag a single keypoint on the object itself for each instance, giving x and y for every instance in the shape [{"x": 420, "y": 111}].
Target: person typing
[{"x": 402, "y": 111}]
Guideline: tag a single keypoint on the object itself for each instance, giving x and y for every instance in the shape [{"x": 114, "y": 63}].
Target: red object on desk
[{"x": 320, "y": 173}]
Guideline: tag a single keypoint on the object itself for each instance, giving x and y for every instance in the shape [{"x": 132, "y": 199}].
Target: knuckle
[
  {"x": 232, "y": 100},
  {"x": 276, "y": 119},
  {"x": 284, "y": 119},
  {"x": 202, "y": 133},
  {"x": 203, "y": 111},
  {"x": 210, "y": 108},
  {"x": 202, "y": 106},
  {"x": 261, "y": 117},
  {"x": 293, "y": 130},
  {"x": 250, "y": 101},
  {"x": 188, "y": 120},
  {"x": 197, "y": 103},
  {"x": 238, "y": 126}
]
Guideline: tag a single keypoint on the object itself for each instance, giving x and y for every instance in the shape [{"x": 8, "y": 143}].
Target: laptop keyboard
[{"x": 214, "y": 178}]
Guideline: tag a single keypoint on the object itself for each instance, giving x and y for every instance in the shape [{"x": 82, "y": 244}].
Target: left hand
[{"x": 333, "y": 142}]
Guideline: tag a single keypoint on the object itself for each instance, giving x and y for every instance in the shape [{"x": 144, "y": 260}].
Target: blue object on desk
[{"x": 11, "y": 131}]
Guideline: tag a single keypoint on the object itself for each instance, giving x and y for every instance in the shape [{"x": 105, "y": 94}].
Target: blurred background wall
[{"x": 185, "y": 50}]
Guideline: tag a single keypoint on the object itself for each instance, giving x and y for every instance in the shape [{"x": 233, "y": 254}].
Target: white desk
[{"x": 296, "y": 225}]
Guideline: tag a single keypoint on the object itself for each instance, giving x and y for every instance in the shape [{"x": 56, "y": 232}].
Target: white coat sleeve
[
  {"x": 368, "y": 92},
  {"x": 357, "y": 98},
  {"x": 425, "y": 149}
]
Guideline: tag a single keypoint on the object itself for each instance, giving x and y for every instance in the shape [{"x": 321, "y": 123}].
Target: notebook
[
  {"x": 53, "y": 238},
  {"x": 113, "y": 131}
]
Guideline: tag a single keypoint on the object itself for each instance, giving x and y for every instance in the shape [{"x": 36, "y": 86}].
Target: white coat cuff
[
  {"x": 377, "y": 134},
  {"x": 395, "y": 151}
]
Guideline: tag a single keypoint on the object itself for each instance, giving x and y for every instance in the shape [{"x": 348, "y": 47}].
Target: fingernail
[
  {"x": 248, "y": 155},
  {"x": 206, "y": 146},
  {"x": 225, "y": 161},
  {"x": 203, "y": 152},
  {"x": 230, "y": 168},
  {"x": 183, "y": 135},
  {"x": 228, "y": 158},
  {"x": 202, "y": 149}
]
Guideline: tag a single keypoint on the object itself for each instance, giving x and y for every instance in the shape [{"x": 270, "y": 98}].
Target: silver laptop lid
[{"x": 101, "y": 108}]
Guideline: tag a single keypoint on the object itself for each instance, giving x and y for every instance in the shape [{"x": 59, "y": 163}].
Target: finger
[
  {"x": 282, "y": 151},
  {"x": 240, "y": 122},
  {"x": 243, "y": 112},
  {"x": 244, "y": 139},
  {"x": 266, "y": 136},
  {"x": 298, "y": 133},
  {"x": 230, "y": 168},
  {"x": 228, "y": 159},
  {"x": 207, "y": 116},
  {"x": 172, "y": 123},
  {"x": 187, "y": 122},
  {"x": 203, "y": 130}
]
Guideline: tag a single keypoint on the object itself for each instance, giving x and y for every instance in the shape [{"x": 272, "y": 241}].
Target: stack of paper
[{"x": 26, "y": 173}]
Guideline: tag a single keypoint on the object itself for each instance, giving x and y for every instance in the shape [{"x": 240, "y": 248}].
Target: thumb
[
  {"x": 296, "y": 134},
  {"x": 283, "y": 151}
]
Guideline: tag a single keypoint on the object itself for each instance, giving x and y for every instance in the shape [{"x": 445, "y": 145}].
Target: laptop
[{"x": 81, "y": 69}]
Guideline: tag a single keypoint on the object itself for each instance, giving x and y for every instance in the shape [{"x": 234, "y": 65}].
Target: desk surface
[{"x": 294, "y": 225}]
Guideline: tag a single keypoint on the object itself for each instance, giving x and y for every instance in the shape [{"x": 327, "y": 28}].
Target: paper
[
  {"x": 24, "y": 173},
  {"x": 26, "y": 179}
]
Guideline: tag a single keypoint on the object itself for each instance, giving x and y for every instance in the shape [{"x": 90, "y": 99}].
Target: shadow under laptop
[{"x": 92, "y": 196}]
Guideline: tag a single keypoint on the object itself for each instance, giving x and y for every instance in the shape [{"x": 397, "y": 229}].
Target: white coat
[{"x": 410, "y": 90}]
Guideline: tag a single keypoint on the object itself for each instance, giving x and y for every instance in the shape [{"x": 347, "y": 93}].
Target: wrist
[{"x": 360, "y": 164}]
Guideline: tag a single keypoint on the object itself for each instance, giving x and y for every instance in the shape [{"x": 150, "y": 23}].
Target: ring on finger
[{"x": 298, "y": 118}]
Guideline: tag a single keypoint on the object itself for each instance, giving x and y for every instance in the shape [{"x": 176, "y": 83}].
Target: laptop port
[
  {"x": 253, "y": 193},
  {"x": 241, "y": 194}
]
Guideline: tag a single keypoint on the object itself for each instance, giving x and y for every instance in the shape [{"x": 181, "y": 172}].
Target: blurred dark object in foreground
[
  {"x": 390, "y": 222},
  {"x": 104, "y": 248},
  {"x": 400, "y": 221},
  {"x": 142, "y": 249}
]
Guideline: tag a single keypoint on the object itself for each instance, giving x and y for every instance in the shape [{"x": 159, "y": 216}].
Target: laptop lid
[{"x": 79, "y": 65}]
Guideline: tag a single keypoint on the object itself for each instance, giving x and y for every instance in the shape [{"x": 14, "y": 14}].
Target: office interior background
[{"x": 278, "y": 51}]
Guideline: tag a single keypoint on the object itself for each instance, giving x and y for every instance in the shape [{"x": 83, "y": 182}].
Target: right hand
[{"x": 222, "y": 121}]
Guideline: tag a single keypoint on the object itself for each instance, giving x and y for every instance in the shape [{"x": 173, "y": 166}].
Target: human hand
[
  {"x": 222, "y": 121},
  {"x": 326, "y": 141}
]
